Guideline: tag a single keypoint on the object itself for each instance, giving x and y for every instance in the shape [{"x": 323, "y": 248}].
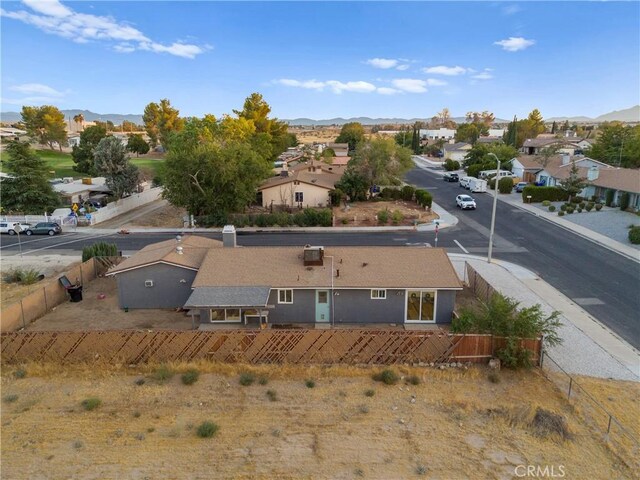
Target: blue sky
[{"x": 321, "y": 59}]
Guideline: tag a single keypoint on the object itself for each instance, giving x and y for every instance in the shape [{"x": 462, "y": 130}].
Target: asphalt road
[{"x": 604, "y": 283}]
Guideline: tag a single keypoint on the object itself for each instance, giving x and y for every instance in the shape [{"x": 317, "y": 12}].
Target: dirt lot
[
  {"x": 48, "y": 265},
  {"x": 454, "y": 425},
  {"x": 319, "y": 135},
  {"x": 365, "y": 213},
  {"x": 96, "y": 314}
]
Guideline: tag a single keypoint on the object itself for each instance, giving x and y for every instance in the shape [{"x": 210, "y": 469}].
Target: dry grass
[
  {"x": 482, "y": 430},
  {"x": 365, "y": 213}
]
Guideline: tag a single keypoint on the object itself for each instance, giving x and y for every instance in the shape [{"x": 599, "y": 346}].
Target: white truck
[{"x": 477, "y": 185}]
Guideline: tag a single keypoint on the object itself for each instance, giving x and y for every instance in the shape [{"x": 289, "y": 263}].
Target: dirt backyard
[
  {"x": 451, "y": 424},
  {"x": 366, "y": 214}
]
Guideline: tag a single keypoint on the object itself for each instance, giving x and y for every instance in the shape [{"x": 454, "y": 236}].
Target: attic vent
[
  {"x": 179, "y": 250},
  {"x": 313, "y": 255}
]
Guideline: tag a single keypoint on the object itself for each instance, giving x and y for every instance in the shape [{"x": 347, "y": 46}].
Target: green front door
[{"x": 322, "y": 306}]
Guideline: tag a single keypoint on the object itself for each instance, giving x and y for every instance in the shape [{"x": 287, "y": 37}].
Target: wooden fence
[
  {"x": 300, "y": 346},
  {"x": 50, "y": 294},
  {"x": 478, "y": 285}
]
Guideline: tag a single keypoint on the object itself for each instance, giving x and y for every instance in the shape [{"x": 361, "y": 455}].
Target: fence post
[
  {"x": 81, "y": 279},
  {"x": 24, "y": 325},
  {"x": 570, "y": 385},
  {"x": 609, "y": 426},
  {"x": 46, "y": 307},
  {"x": 541, "y": 358}
]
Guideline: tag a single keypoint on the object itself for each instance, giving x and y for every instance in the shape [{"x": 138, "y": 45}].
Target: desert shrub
[
  {"x": 272, "y": 395},
  {"x": 451, "y": 165},
  {"x": 246, "y": 379},
  {"x": 582, "y": 204},
  {"x": 579, "y": 210},
  {"x": 505, "y": 185},
  {"x": 344, "y": 221},
  {"x": 539, "y": 194},
  {"x": 502, "y": 317},
  {"x": 561, "y": 213},
  {"x": 396, "y": 217},
  {"x": 310, "y": 383},
  {"x": 564, "y": 207},
  {"x": 494, "y": 377},
  {"x": 589, "y": 206},
  {"x": 99, "y": 249},
  {"x": 421, "y": 470},
  {"x": 608, "y": 197},
  {"x": 624, "y": 201},
  {"x": 29, "y": 277},
  {"x": 140, "y": 381},
  {"x": 546, "y": 203},
  {"x": 634, "y": 235},
  {"x": 190, "y": 377},
  {"x": 336, "y": 197},
  {"x": 91, "y": 403},
  {"x": 424, "y": 198},
  {"x": 413, "y": 380},
  {"x": 389, "y": 193},
  {"x": 407, "y": 193},
  {"x": 207, "y": 429},
  {"x": 598, "y": 207},
  {"x": 263, "y": 380},
  {"x": 10, "y": 398},
  {"x": 20, "y": 373},
  {"x": 136, "y": 414},
  {"x": 369, "y": 393},
  {"x": 383, "y": 217},
  {"x": 12, "y": 275},
  {"x": 363, "y": 409},
  {"x": 25, "y": 276},
  {"x": 162, "y": 373},
  {"x": 547, "y": 424},
  {"x": 387, "y": 376},
  {"x": 570, "y": 210},
  {"x": 552, "y": 208}
]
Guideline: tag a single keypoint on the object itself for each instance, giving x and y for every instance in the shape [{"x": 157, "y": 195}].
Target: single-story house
[
  {"x": 456, "y": 151},
  {"x": 298, "y": 188},
  {"x": 160, "y": 275},
  {"x": 340, "y": 161},
  {"x": 316, "y": 166},
  {"x": 73, "y": 140},
  {"x": 77, "y": 191},
  {"x": 437, "y": 134},
  {"x": 340, "y": 149},
  {"x": 565, "y": 145}
]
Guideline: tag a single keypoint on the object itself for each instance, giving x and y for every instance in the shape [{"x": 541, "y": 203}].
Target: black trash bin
[{"x": 75, "y": 293}]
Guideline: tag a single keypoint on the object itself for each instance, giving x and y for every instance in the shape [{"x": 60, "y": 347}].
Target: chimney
[
  {"x": 593, "y": 173},
  {"x": 565, "y": 159},
  {"x": 229, "y": 236}
]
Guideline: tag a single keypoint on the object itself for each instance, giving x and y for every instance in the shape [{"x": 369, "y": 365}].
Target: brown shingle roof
[
  {"x": 359, "y": 267},
  {"x": 623, "y": 179},
  {"x": 326, "y": 180},
  {"x": 194, "y": 249}
]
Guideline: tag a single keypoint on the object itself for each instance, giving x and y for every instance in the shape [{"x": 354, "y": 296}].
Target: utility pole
[{"x": 495, "y": 203}]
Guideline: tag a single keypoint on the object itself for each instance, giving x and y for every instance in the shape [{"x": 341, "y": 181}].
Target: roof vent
[
  {"x": 313, "y": 255},
  {"x": 179, "y": 250},
  {"x": 178, "y": 238}
]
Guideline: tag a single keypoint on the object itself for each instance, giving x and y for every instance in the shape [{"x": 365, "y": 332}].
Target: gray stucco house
[{"x": 313, "y": 286}]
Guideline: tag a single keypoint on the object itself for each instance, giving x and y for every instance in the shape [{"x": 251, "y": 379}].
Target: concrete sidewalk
[{"x": 589, "y": 347}]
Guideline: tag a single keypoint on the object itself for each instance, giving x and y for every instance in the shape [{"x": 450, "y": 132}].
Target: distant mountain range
[{"x": 628, "y": 115}]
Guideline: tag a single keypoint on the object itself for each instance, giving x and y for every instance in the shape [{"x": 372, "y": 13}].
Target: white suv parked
[
  {"x": 8, "y": 227},
  {"x": 465, "y": 202}
]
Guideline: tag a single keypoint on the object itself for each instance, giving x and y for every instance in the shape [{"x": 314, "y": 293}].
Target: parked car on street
[
  {"x": 44, "y": 228},
  {"x": 464, "y": 182},
  {"x": 519, "y": 187},
  {"x": 450, "y": 177},
  {"x": 465, "y": 202},
  {"x": 9, "y": 227}
]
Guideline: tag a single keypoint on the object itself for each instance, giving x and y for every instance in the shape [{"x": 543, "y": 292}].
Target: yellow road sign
[{"x": 75, "y": 207}]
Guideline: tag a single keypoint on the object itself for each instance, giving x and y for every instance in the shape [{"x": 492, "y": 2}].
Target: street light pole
[{"x": 495, "y": 203}]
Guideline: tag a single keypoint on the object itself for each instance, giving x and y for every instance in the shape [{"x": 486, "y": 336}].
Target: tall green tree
[
  {"x": 573, "y": 184},
  {"x": 536, "y": 121},
  {"x": 381, "y": 162},
  {"x": 46, "y": 125},
  {"x": 617, "y": 145},
  {"x": 161, "y": 121},
  {"x": 137, "y": 145},
  {"x": 467, "y": 132},
  {"x": 351, "y": 133},
  {"x": 554, "y": 127},
  {"x": 112, "y": 161},
  {"x": 27, "y": 190},
  {"x": 82, "y": 154}
]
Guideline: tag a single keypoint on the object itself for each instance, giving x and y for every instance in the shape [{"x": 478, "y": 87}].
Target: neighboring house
[
  {"x": 160, "y": 275},
  {"x": 456, "y": 151},
  {"x": 77, "y": 191},
  {"x": 496, "y": 132},
  {"x": 439, "y": 134},
  {"x": 340, "y": 149},
  {"x": 340, "y": 161},
  {"x": 566, "y": 145},
  {"x": 298, "y": 188},
  {"x": 331, "y": 286},
  {"x": 73, "y": 140},
  {"x": 319, "y": 167}
]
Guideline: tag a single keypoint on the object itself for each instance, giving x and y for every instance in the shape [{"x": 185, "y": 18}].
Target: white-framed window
[
  {"x": 285, "y": 295},
  {"x": 299, "y": 197},
  {"x": 378, "y": 294}
]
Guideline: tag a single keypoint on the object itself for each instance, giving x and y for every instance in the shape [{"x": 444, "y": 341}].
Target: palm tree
[{"x": 79, "y": 118}]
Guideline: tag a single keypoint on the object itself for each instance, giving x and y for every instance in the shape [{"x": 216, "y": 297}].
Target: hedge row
[
  {"x": 309, "y": 217},
  {"x": 540, "y": 194}
]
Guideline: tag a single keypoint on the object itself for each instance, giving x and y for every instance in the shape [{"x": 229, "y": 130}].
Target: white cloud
[
  {"x": 513, "y": 44},
  {"x": 410, "y": 85},
  {"x": 511, "y": 9},
  {"x": 359, "y": 86},
  {"x": 36, "y": 89},
  {"x": 387, "y": 63},
  {"x": 383, "y": 63},
  {"x": 444, "y": 70},
  {"x": 483, "y": 76},
  {"x": 310, "y": 84},
  {"x": 434, "y": 82},
  {"x": 57, "y": 19},
  {"x": 387, "y": 91}
]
